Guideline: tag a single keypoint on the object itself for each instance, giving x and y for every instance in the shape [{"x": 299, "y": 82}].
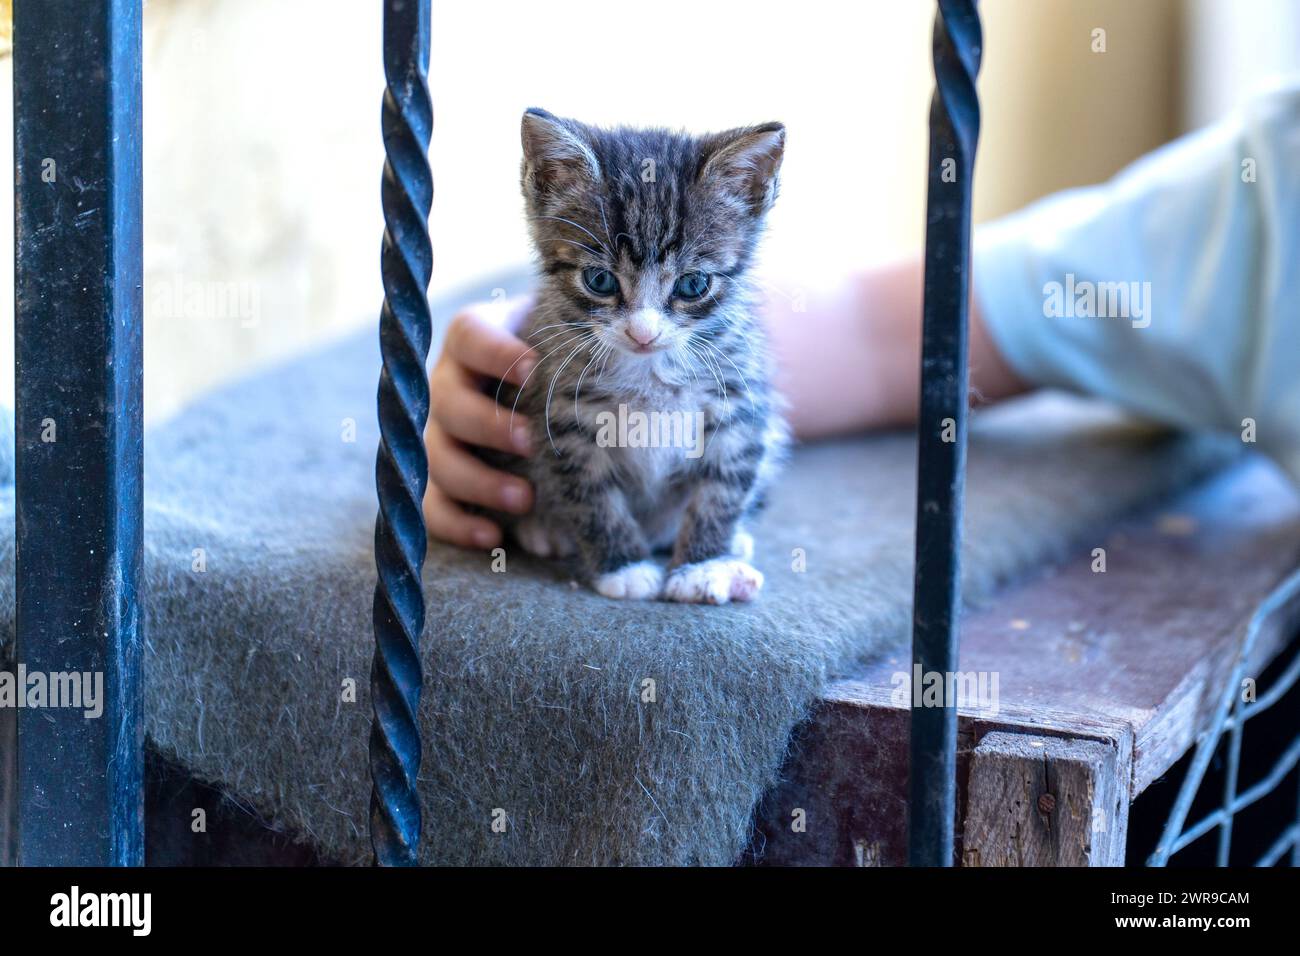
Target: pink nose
[{"x": 641, "y": 335}]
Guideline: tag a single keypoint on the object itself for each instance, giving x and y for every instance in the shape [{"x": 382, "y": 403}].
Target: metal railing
[
  {"x": 1234, "y": 709},
  {"x": 78, "y": 269},
  {"x": 78, "y": 279},
  {"x": 941, "y": 436},
  {"x": 402, "y": 471},
  {"x": 401, "y": 468}
]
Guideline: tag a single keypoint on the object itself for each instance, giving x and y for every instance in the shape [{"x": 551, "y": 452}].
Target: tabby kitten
[{"x": 654, "y": 420}]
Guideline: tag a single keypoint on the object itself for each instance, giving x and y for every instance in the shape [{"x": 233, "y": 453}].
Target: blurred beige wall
[
  {"x": 262, "y": 150},
  {"x": 1057, "y": 114}
]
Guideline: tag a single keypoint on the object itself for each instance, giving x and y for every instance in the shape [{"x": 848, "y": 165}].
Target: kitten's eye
[
  {"x": 691, "y": 286},
  {"x": 599, "y": 281}
]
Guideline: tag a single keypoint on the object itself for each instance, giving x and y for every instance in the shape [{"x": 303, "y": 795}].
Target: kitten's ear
[
  {"x": 746, "y": 162},
  {"x": 557, "y": 154}
]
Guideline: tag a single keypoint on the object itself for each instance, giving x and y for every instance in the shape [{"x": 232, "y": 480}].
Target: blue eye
[
  {"x": 599, "y": 281},
  {"x": 691, "y": 286}
]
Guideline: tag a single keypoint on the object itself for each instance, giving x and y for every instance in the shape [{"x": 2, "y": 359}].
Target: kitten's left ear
[
  {"x": 557, "y": 154},
  {"x": 747, "y": 163}
]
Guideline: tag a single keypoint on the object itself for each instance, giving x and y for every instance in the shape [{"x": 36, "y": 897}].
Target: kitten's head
[{"x": 648, "y": 234}]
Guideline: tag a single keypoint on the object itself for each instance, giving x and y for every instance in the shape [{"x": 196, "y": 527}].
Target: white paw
[
  {"x": 714, "y": 582},
  {"x": 632, "y": 582},
  {"x": 742, "y": 545},
  {"x": 542, "y": 541}
]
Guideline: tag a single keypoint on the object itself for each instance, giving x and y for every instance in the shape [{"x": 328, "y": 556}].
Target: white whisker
[
  {"x": 744, "y": 381},
  {"x": 595, "y": 354},
  {"x": 605, "y": 361},
  {"x": 594, "y": 237},
  {"x": 546, "y": 411},
  {"x": 502, "y": 381},
  {"x": 520, "y": 393},
  {"x": 580, "y": 245},
  {"x": 605, "y": 221}
]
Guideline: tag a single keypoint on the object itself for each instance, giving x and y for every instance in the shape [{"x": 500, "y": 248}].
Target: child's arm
[
  {"x": 847, "y": 360},
  {"x": 1171, "y": 290},
  {"x": 479, "y": 345},
  {"x": 851, "y": 360},
  {"x": 1191, "y": 258}
]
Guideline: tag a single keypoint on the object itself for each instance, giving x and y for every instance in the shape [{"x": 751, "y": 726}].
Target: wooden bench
[{"x": 1104, "y": 680}]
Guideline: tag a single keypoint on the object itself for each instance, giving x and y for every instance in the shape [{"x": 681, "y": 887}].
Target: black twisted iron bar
[
  {"x": 941, "y": 455},
  {"x": 401, "y": 467}
]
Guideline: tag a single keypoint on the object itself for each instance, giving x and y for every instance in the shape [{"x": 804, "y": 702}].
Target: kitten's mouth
[{"x": 630, "y": 347}]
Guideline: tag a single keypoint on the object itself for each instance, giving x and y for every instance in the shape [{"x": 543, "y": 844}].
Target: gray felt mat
[{"x": 534, "y": 703}]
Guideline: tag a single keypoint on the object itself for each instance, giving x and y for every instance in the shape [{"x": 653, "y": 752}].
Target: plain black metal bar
[
  {"x": 78, "y": 361},
  {"x": 401, "y": 468},
  {"x": 954, "y": 132}
]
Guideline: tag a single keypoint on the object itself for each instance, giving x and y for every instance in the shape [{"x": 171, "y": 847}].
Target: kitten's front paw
[
  {"x": 742, "y": 545},
  {"x": 632, "y": 582},
  {"x": 717, "y": 581},
  {"x": 543, "y": 541}
]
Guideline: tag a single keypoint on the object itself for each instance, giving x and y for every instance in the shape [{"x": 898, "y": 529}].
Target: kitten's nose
[{"x": 644, "y": 326}]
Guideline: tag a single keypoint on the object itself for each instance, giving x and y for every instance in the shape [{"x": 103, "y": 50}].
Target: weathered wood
[
  {"x": 1044, "y": 801},
  {"x": 1133, "y": 658},
  {"x": 843, "y": 801},
  {"x": 192, "y": 823},
  {"x": 1142, "y": 648}
]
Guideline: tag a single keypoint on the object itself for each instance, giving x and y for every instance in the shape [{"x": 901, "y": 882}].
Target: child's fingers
[
  {"x": 482, "y": 347},
  {"x": 476, "y": 419},
  {"x": 462, "y": 477},
  {"x": 446, "y": 521}
]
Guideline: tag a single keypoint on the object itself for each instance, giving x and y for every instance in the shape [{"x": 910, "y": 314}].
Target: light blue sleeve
[{"x": 1172, "y": 290}]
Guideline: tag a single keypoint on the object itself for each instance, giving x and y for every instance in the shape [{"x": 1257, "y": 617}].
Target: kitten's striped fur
[{"x": 648, "y": 206}]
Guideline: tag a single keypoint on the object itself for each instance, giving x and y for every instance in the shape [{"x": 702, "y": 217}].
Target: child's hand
[{"x": 479, "y": 345}]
